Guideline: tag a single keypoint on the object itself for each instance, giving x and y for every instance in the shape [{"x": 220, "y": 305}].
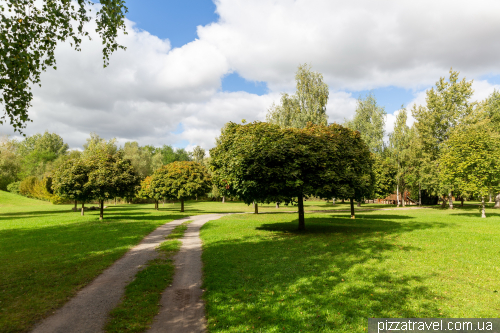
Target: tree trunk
[
  {"x": 403, "y": 196},
  {"x": 490, "y": 197},
  {"x": 156, "y": 205},
  {"x": 358, "y": 203},
  {"x": 76, "y": 202},
  {"x": 352, "y": 208},
  {"x": 277, "y": 205},
  {"x": 333, "y": 201},
  {"x": 83, "y": 208},
  {"x": 343, "y": 200},
  {"x": 302, "y": 224},
  {"x": 256, "y": 207},
  {"x": 223, "y": 199},
  {"x": 115, "y": 201},
  {"x": 461, "y": 201},
  {"x": 419, "y": 195},
  {"x": 182, "y": 205},
  {"x": 397, "y": 193},
  {"x": 483, "y": 208},
  {"x": 101, "y": 214},
  {"x": 497, "y": 201},
  {"x": 450, "y": 200}
]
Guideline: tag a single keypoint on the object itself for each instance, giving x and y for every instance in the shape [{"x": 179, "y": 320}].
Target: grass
[
  {"x": 262, "y": 275},
  {"x": 142, "y": 296}
]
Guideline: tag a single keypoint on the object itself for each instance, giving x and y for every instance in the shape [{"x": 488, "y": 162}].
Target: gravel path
[
  {"x": 88, "y": 310},
  {"x": 182, "y": 309}
]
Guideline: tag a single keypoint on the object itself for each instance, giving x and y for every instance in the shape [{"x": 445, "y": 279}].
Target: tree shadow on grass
[{"x": 330, "y": 278}]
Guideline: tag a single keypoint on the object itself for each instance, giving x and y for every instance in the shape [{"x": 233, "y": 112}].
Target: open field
[
  {"x": 263, "y": 276},
  {"x": 48, "y": 253}
]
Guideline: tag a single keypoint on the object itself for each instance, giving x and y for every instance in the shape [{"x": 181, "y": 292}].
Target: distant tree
[
  {"x": 38, "y": 151},
  {"x": 447, "y": 105},
  {"x": 369, "y": 120},
  {"x": 399, "y": 142},
  {"x": 182, "y": 181},
  {"x": 156, "y": 161},
  {"x": 198, "y": 154},
  {"x": 471, "y": 159},
  {"x": 169, "y": 154},
  {"x": 30, "y": 33},
  {"x": 260, "y": 162},
  {"x": 71, "y": 181},
  {"x": 139, "y": 157},
  {"x": 147, "y": 191},
  {"x": 385, "y": 176},
  {"x": 96, "y": 145},
  {"x": 10, "y": 163},
  {"x": 308, "y": 104},
  {"x": 110, "y": 176}
]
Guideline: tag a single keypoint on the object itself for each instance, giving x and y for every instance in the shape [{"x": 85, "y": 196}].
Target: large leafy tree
[
  {"x": 30, "y": 32},
  {"x": 447, "y": 106},
  {"x": 385, "y": 176},
  {"x": 10, "y": 162},
  {"x": 140, "y": 157},
  {"x": 39, "y": 151},
  {"x": 71, "y": 181},
  {"x": 261, "y": 162},
  {"x": 369, "y": 120},
  {"x": 471, "y": 159},
  {"x": 110, "y": 176},
  {"x": 182, "y": 181},
  {"x": 308, "y": 104}
]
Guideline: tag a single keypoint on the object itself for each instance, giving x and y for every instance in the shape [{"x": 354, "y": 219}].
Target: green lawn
[
  {"x": 263, "y": 276},
  {"x": 48, "y": 253}
]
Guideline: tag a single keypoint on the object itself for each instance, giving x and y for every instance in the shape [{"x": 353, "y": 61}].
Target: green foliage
[
  {"x": 308, "y": 104},
  {"x": 27, "y": 186},
  {"x": 97, "y": 145},
  {"x": 39, "y": 151},
  {"x": 30, "y": 33},
  {"x": 140, "y": 158},
  {"x": 71, "y": 181},
  {"x": 198, "y": 154},
  {"x": 14, "y": 187},
  {"x": 471, "y": 159},
  {"x": 10, "y": 163},
  {"x": 369, "y": 120},
  {"x": 169, "y": 154},
  {"x": 385, "y": 176},
  {"x": 181, "y": 180}
]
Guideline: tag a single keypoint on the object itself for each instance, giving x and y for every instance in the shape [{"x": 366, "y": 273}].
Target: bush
[
  {"x": 13, "y": 187},
  {"x": 38, "y": 189},
  {"x": 27, "y": 185}
]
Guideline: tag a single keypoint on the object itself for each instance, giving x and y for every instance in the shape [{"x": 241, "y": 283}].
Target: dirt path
[
  {"x": 88, "y": 310},
  {"x": 183, "y": 310}
]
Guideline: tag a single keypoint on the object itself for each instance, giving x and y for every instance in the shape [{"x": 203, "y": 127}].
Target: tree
[
  {"x": 38, "y": 151},
  {"x": 30, "y": 33},
  {"x": 308, "y": 104},
  {"x": 96, "y": 145},
  {"x": 10, "y": 164},
  {"x": 385, "y": 176},
  {"x": 198, "y": 154},
  {"x": 139, "y": 157},
  {"x": 169, "y": 154},
  {"x": 71, "y": 181},
  {"x": 471, "y": 159},
  {"x": 447, "y": 105},
  {"x": 399, "y": 142},
  {"x": 147, "y": 191},
  {"x": 261, "y": 162},
  {"x": 110, "y": 176},
  {"x": 182, "y": 181},
  {"x": 369, "y": 119}
]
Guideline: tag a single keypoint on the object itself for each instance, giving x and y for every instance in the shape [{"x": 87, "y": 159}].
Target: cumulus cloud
[{"x": 151, "y": 90}]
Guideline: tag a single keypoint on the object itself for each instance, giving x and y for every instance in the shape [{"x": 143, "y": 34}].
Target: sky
[{"x": 193, "y": 65}]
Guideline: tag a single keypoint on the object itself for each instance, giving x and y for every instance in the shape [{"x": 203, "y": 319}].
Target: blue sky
[{"x": 192, "y": 66}]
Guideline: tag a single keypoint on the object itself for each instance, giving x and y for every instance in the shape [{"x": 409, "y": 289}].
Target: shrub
[
  {"x": 13, "y": 187},
  {"x": 27, "y": 185}
]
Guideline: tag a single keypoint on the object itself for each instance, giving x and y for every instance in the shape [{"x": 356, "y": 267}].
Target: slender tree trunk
[
  {"x": 101, "y": 215},
  {"x": 419, "y": 195},
  {"x": 490, "y": 198},
  {"x": 182, "y": 205},
  {"x": 156, "y": 205},
  {"x": 450, "y": 200},
  {"x": 76, "y": 203},
  {"x": 483, "y": 208},
  {"x": 115, "y": 201},
  {"x": 397, "y": 193},
  {"x": 403, "y": 196},
  {"x": 223, "y": 199},
  {"x": 461, "y": 201},
  {"x": 497, "y": 201},
  {"x": 302, "y": 223},
  {"x": 256, "y": 207},
  {"x": 343, "y": 200},
  {"x": 277, "y": 205},
  {"x": 333, "y": 201},
  {"x": 352, "y": 208},
  {"x": 358, "y": 203},
  {"x": 83, "y": 208}
]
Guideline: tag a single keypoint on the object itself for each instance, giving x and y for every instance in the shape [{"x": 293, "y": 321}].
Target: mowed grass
[{"x": 262, "y": 275}]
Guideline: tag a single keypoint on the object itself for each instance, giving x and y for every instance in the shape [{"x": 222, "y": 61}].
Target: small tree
[
  {"x": 471, "y": 159},
  {"x": 147, "y": 191},
  {"x": 110, "y": 176},
  {"x": 70, "y": 181},
  {"x": 181, "y": 181}
]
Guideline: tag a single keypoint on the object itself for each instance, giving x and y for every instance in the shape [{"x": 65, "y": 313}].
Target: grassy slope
[{"x": 261, "y": 275}]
